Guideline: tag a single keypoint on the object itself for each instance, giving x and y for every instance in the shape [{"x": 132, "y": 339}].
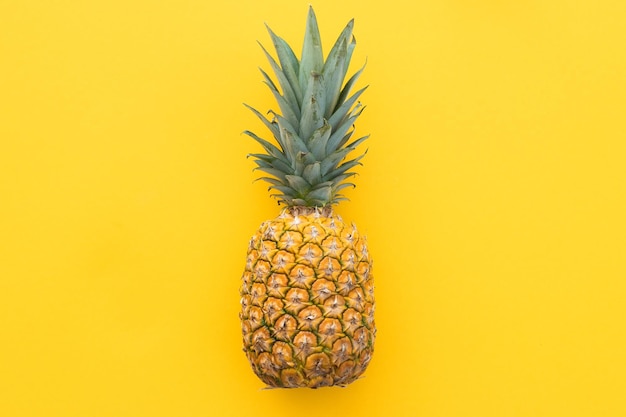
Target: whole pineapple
[{"x": 307, "y": 293}]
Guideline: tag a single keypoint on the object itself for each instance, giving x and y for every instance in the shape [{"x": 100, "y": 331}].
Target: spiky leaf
[
  {"x": 312, "y": 59},
  {"x": 312, "y": 117},
  {"x": 288, "y": 62},
  {"x": 335, "y": 68}
]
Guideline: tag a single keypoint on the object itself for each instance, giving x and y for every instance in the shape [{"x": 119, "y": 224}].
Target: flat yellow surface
[{"x": 493, "y": 195}]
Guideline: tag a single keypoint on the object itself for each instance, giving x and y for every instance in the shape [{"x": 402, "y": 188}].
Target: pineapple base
[{"x": 307, "y": 300}]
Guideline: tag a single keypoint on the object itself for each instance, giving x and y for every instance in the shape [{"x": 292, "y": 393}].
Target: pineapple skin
[{"x": 307, "y": 298}]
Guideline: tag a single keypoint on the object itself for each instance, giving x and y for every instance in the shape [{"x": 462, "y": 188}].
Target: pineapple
[{"x": 307, "y": 290}]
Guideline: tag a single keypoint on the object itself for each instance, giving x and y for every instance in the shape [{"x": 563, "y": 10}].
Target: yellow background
[{"x": 493, "y": 195}]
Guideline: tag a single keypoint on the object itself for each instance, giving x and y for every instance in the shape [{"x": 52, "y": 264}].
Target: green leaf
[
  {"x": 297, "y": 202},
  {"x": 320, "y": 196},
  {"x": 343, "y": 185},
  {"x": 262, "y": 163},
  {"x": 302, "y": 160},
  {"x": 285, "y": 108},
  {"x": 298, "y": 183},
  {"x": 299, "y": 164},
  {"x": 357, "y": 142},
  {"x": 318, "y": 140},
  {"x": 339, "y": 115},
  {"x": 285, "y": 86},
  {"x": 334, "y": 142},
  {"x": 269, "y": 148},
  {"x": 351, "y": 48},
  {"x": 312, "y": 117},
  {"x": 288, "y": 62},
  {"x": 345, "y": 92},
  {"x": 335, "y": 68},
  {"x": 272, "y": 171},
  {"x": 337, "y": 172},
  {"x": 312, "y": 173},
  {"x": 332, "y": 160},
  {"x": 339, "y": 179},
  {"x": 271, "y": 180},
  {"x": 306, "y": 157},
  {"x": 272, "y": 126},
  {"x": 286, "y": 190},
  {"x": 273, "y": 162},
  {"x": 347, "y": 124},
  {"x": 312, "y": 58},
  {"x": 261, "y": 157},
  {"x": 321, "y": 185},
  {"x": 290, "y": 139},
  {"x": 338, "y": 198}
]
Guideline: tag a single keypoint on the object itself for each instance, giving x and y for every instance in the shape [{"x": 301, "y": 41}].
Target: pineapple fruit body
[{"x": 308, "y": 300}]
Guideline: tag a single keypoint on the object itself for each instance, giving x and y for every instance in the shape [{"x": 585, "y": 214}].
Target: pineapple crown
[{"x": 309, "y": 167}]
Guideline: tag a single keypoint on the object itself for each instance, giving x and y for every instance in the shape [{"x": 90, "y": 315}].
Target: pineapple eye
[{"x": 269, "y": 233}]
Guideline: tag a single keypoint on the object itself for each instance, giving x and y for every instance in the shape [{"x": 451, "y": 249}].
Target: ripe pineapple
[{"x": 307, "y": 290}]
